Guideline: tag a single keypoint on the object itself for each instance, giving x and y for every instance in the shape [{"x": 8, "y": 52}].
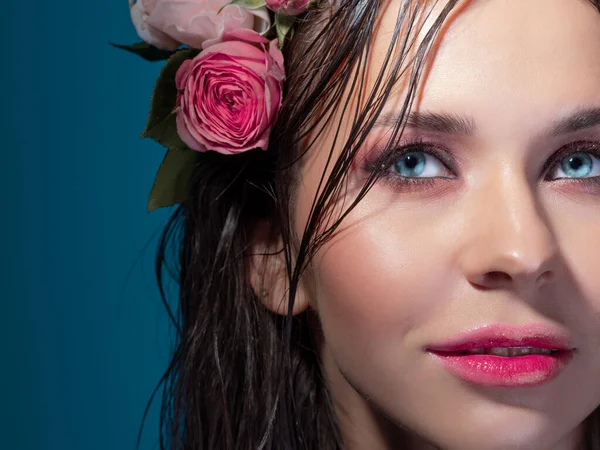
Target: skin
[{"x": 494, "y": 242}]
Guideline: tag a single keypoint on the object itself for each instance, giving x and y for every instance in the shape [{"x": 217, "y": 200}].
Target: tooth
[
  {"x": 497, "y": 351},
  {"x": 516, "y": 351},
  {"x": 477, "y": 351},
  {"x": 512, "y": 351}
]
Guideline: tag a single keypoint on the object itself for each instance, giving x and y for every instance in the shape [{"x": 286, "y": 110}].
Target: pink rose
[
  {"x": 140, "y": 12},
  {"x": 289, "y": 7},
  {"x": 230, "y": 94},
  {"x": 167, "y": 24}
]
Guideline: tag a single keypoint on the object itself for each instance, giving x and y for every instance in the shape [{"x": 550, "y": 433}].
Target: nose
[{"x": 509, "y": 244}]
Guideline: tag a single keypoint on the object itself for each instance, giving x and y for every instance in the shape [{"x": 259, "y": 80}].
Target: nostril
[
  {"x": 546, "y": 277},
  {"x": 497, "y": 277},
  {"x": 491, "y": 280}
]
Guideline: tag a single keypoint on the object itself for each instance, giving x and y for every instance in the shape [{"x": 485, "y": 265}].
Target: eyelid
[
  {"x": 378, "y": 161},
  {"x": 383, "y": 159}
]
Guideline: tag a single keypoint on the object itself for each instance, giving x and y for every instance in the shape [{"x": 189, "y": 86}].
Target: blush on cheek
[
  {"x": 374, "y": 284},
  {"x": 377, "y": 291}
]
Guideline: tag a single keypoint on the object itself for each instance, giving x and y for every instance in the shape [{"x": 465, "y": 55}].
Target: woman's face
[{"x": 493, "y": 219}]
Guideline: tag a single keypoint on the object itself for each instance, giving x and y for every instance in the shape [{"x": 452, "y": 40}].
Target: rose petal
[
  {"x": 149, "y": 33},
  {"x": 230, "y": 94}
]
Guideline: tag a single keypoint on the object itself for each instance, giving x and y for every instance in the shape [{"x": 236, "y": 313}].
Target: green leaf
[
  {"x": 173, "y": 177},
  {"x": 250, "y": 4},
  {"x": 145, "y": 50},
  {"x": 165, "y": 133},
  {"x": 284, "y": 26},
  {"x": 164, "y": 99}
]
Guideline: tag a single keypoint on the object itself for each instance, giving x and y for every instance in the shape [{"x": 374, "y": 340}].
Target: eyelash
[{"x": 381, "y": 165}]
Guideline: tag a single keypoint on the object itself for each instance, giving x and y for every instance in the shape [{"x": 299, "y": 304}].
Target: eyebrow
[
  {"x": 432, "y": 122},
  {"x": 579, "y": 120},
  {"x": 465, "y": 126}
]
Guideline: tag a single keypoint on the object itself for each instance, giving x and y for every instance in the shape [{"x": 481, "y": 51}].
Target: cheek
[
  {"x": 578, "y": 234},
  {"x": 378, "y": 281}
]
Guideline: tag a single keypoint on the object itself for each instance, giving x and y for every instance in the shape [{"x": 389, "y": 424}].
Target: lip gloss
[
  {"x": 468, "y": 356},
  {"x": 501, "y": 371}
]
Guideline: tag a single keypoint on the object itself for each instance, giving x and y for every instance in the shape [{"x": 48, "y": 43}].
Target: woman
[{"x": 413, "y": 261}]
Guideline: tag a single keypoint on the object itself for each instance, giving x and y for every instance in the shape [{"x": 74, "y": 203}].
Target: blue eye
[
  {"x": 577, "y": 165},
  {"x": 417, "y": 164}
]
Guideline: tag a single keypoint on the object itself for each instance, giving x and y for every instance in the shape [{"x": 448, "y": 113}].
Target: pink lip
[{"x": 500, "y": 371}]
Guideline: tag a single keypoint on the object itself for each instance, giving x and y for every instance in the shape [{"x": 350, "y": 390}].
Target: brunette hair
[{"x": 242, "y": 377}]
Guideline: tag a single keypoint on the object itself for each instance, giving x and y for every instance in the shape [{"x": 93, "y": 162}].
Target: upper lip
[{"x": 503, "y": 336}]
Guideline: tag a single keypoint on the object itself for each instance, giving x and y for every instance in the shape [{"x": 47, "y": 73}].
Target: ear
[{"x": 268, "y": 273}]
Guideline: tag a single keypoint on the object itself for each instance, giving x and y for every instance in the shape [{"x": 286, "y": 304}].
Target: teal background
[{"x": 84, "y": 337}]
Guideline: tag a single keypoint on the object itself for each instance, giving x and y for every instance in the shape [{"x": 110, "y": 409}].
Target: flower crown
[{"x": 221, "y": 87}]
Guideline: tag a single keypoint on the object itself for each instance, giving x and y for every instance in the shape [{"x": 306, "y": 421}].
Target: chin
[{"x": 499, "y": 429}]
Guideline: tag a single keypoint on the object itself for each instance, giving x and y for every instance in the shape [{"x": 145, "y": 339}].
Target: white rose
[{"x": 167, "y": 24}]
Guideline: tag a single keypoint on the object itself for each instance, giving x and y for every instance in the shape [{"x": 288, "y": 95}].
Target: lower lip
[{"x": 501, "y": 371}]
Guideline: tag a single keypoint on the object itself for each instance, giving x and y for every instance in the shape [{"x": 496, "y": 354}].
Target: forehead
[
  {"x": 524, "y": 55},
  {"x": 513, "y": 66}
]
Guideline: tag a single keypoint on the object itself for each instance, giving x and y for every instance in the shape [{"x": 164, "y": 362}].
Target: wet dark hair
[{"x": 241, "y": 376}]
